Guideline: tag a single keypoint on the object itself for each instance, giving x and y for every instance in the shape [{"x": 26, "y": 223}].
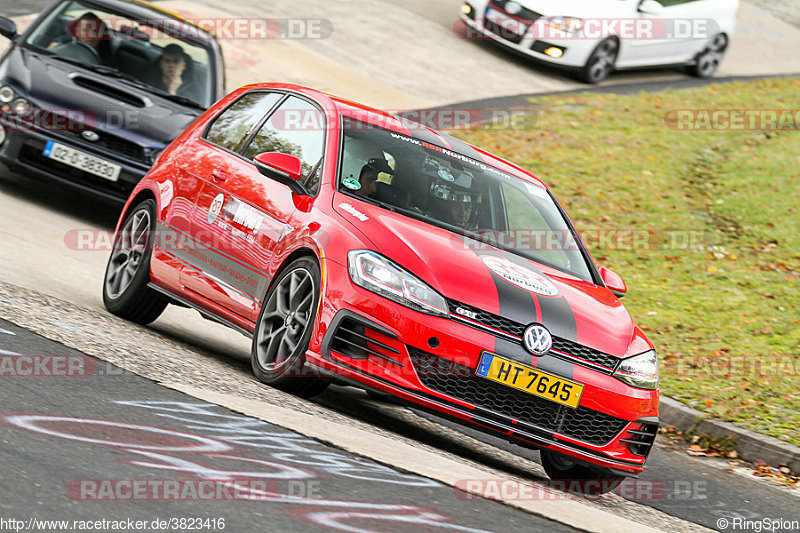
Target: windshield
[
  {"x": 137, "y": 49},
  {"x": 486, "y": 206}
]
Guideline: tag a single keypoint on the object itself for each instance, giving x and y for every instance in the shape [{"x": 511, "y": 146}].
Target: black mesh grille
[
  {"x": 116, "y": 145},
  {"x": 505, "y": 33},
  {"x": 458, "y": 381},
  {"x": 515, "y": 328},
  {"x": 524, "y": 13}
]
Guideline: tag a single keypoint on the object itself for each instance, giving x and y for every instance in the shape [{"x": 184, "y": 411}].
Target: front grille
[
  {"x": 502, "y": 32},
  {"x": 524, "y": 14},
  {"x": 573, "y": 349},
  {"x": 643, "y": 439},
  {"x": 458, "y": 381},
  {"x": 114, "y": 144}
]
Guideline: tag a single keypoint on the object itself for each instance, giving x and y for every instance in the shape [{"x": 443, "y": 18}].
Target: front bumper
[
  {"x": 22, "y": 152},
  {"x": 576, "y": 51},
  {"x": 430, "y": 361}
]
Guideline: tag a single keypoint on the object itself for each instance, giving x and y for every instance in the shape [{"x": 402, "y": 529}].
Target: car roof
[{"x": 394, "y": 123}]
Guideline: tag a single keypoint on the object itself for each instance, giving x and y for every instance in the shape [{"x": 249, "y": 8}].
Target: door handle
[{"x": 219, "y": 175}]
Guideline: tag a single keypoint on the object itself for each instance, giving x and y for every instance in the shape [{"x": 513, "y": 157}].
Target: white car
[{"x": 596, "y": 37}]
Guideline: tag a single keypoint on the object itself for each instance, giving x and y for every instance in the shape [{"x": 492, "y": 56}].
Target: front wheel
[
  {"x": 283, "y": 331},
  {"x": 708, "y": 60},
  {"x": 581, "y": 478},
  {"x": 125, "y": 290},
  {"x": 601, "y": 63}
]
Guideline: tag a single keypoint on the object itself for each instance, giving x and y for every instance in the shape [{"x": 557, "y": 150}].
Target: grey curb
[{"x": 750, "y": 445}]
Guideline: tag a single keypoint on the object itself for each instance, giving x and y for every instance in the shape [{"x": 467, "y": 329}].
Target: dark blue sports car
[{"x": 94, "y": 90}]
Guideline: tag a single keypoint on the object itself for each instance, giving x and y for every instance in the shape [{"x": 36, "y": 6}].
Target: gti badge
[
  {"x": 537, "y": 339},
  {"x": 90, "y": 136},
  {"x": 513, "y": 8},
  {"x": 467, "y": 313}
]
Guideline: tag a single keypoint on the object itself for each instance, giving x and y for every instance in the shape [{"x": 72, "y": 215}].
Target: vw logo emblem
[
  {"x": 90, "y": 136},
  {"x": 537, "y": 339},
  {"x": 513, "y": 8}
]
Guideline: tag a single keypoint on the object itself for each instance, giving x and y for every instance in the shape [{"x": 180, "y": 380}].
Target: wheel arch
[{"x": 144, "y": 194}]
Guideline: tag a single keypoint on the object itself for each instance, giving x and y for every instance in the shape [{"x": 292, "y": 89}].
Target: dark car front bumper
[{"x": 22, "y": 152}]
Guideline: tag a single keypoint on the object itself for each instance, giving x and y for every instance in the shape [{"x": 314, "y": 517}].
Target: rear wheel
[
  {"x": 125, "y": 290},
  {"x": 283, "y": 331},
  {"x": 578, "y": 477},
  {"x": 601, "y": 63},
  {"x": 708, "y": 60}
]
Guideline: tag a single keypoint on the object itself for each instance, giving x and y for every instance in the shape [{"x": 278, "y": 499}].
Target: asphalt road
[{"x": 79, "y": 433}]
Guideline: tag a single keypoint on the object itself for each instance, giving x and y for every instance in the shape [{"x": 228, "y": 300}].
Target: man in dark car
[
  {"x": 90, "y": 41},
  {"x": 175, "y": 74}
]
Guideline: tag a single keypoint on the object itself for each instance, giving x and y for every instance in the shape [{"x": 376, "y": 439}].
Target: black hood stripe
[{"x": 556, "y": 313}]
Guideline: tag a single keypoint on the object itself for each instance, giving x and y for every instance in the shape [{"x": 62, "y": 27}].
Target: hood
[
  {"x": 108, "y": 103},
  {"x": 578, "y": 8},
  {"x": 497, "y": 281}
]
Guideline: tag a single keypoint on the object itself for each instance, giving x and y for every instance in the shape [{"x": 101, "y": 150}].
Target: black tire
[
  {"x": 706, "y": 62},
  {"x": 125, "y": 290},
  {"x": 601, "y": 63},
  {"x": 283, "y": 331},
  {"x": 580, "y": 478}
]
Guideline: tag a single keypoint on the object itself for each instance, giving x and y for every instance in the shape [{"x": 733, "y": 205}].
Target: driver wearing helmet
[{"x": 456, "y": 201}]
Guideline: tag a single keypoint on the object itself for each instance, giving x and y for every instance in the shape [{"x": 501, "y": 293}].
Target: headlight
[
  {"x": 640, "y": 371},
  {"x": 20, "y": 106},
  {"x": 6, "y": 94},
  {"x": 566, "y": 24},
  {"x": 376, "y": 273}
]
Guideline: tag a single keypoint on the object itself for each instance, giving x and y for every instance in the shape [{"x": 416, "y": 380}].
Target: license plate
[
  {"x": 507, "y": 24},
  {"x": 529, "y": 379},
  {"x": 82, "y": 160}
]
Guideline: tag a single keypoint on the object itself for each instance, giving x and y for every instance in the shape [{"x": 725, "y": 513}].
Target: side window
[
  {"x": 296, "y": 128},
  {"x": 230, "y": 128}
]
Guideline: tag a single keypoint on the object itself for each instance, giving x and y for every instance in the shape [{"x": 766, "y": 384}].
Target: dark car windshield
[
  {"x": 486, "y": 206},
  {"x": 147, "y": 51}
]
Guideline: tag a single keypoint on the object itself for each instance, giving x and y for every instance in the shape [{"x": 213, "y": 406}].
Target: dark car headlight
[
  {"x": 640, "y": 371},
  {"x": 378, "y": 274},
  {"x": 7, "y": 94},
  {"x": 21, "y": 107}
]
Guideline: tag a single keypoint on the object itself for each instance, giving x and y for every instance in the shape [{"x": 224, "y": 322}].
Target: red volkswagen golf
[{"x": 356, "y": 246}]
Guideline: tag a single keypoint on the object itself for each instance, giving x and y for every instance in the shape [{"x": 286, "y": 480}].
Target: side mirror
[
  {"x": 651, "y": 7},
  {"x": 8, "y": 28},
  {"x": 613, "y": 281},
  {"x": 284, "y": 168}
]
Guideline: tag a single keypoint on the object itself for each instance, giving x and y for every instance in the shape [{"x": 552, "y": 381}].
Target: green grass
[{"x": 717, "y": 287}]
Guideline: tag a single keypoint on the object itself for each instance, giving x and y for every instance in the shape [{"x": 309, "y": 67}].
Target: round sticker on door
[
  {"x": 520, "y": 276},
  {"x": 215, "y": 208}
]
